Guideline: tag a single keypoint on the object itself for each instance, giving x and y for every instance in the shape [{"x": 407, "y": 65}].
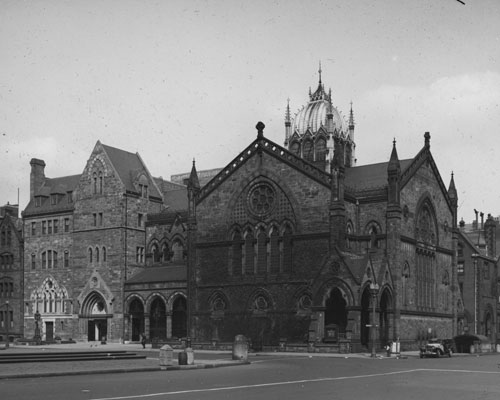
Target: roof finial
[
  {"x": 319, "y": 71},
  {"x": 260, "y": 129},
  {"x": 287, "y": 115}
]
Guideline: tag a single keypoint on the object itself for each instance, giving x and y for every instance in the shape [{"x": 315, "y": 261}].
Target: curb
[{"x": 124, "y": 370}]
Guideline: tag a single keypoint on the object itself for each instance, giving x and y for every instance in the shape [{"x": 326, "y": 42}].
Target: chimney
[
  {"x": 482, "y": 219},
  {"x": 37, "y": 176},
  {"x": 474, "y": 223}
]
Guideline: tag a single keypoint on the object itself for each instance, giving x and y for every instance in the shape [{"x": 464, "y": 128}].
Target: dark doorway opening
[
  {"x": 158, "y": 320},
  {"x": 336, "y": 311},
  {"x": 49, "y": 331},
  {"x": 179, "y": 317},
  {"x": 136, "y": 311},
  {"x": 384, "y": 322},
  {"x": 97, "y": 330}
]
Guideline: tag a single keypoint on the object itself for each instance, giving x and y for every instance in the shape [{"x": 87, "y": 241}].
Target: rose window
[{"x": 262, "y": 199}]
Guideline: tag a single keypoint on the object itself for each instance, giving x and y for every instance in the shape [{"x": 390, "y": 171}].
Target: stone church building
[
  {"x": 290, "y": 245},
  {"x": 293, "y": 244}
]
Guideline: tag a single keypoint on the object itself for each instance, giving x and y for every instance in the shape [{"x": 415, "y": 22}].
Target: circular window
[{"x": 261, "y": 199}]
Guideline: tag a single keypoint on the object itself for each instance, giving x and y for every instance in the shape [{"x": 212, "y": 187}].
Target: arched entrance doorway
[
  {"x": 94, "y": 309},
  {"x": 158, "y": 320},
  {"x": 179, "y": 317},
  {"x": 384, "y": 320},
  {"x": 365, "y": 317},
  {"x": 136, "y": 312},
  {"x": 336, "y": 311}
]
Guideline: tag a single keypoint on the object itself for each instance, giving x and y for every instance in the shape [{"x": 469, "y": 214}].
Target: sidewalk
[
  {"x": 150, "y": 363},
  {"x": 202, "y": 359}
]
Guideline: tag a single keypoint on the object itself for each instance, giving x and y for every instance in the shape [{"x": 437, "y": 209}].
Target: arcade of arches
[{"x": 156, "y": 318}]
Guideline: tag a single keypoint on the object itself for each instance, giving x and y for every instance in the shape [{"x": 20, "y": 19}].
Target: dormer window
[
  {"x": 70, "y": 197},
  {"x": 53, "y": 199},
  {"x": 38, "y": 201}
]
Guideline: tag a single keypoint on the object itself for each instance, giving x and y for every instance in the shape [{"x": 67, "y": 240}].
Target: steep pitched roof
[
  {"x": 62, "y": 186},
  {"x": 370, "y": 176},
  {"x": 128, "y": 165}
]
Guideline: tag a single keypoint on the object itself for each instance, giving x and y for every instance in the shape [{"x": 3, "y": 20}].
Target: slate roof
[
  {"x": 128, "y": 165},
  {"x": 176, "y": 199},
  {"x": 171, "y": 273},
  {"x": 370, "y": 176},
  {"x": 60, "y": 186}
]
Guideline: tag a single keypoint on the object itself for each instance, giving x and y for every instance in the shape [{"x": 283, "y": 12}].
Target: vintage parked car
[{"x": 437, "y": 348}]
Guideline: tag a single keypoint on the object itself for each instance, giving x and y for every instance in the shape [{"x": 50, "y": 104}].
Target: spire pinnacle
[
  {"x": 287, "y": 114},
  {"x": 319, "y": 71},
  {"x": 351, "y": 118}
]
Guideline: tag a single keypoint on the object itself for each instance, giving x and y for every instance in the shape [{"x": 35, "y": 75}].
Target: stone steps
[{"x": 68, "y": 356}]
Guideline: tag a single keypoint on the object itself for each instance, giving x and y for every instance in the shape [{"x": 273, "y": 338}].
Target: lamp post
[
  {"x": 373, "y": 291},
  {"x": 37, "y": 337},
  {"x": 7, "y": 323}
]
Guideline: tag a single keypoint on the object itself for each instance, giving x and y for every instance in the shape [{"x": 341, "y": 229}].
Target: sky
[{"x": 183, "y": 80}]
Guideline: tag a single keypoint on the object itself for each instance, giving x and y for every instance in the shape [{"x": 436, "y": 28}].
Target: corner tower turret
[{"x": 318, "y": 129}]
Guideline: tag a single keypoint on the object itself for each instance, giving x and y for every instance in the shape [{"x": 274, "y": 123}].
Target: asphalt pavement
[{"x": 202, "y": 359}]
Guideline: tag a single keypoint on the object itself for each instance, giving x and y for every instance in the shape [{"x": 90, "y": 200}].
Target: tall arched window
[
  {"x": 100, "y": 182},
  {"x": 287, "y": 249},
  {"x": 237, "y": 253},
  {"x": 104, "y": 254},
  {"x": 274, "y": 250},
  {"x": 308, "y": 150},
  {"x": 165, "y": 253},
  {"x": 156, "y": 253},
  {"x": 249, "y": 253},
  {"x": 261, "y": 252},
  {"x": 97, "y": 254},
  {"x": 94, "y": 181},
  {"x": 90, "y": 256}
]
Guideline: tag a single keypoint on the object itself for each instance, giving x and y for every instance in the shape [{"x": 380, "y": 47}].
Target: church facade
[{"x": 298, "y": 245}]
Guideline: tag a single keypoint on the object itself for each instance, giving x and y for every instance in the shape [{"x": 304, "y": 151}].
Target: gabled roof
[
  {"x": 128, "y": 166},
  {"x": 171, "y": 273},
  {"x": 370, "y": 176},
  {"x": 63, "y": 186},
  {"x": 167, "y": 217},
  {"x": 262, "y": 144}
]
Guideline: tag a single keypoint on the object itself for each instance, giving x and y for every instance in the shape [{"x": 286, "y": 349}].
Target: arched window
[
  {"x": 308, "y": 151},
  {"x": 165, "y": 253},
  {"x": 90, "y": 256},
  {"x": 237, "y": 253},
  {"x": 178, "y": 250},
  {"x": 295, "y": 148},
  {"x": 274, "y": 251},
  {"x": 100, "y": 182},
  {"x": 320, "y": 151},
  {"x": 249, "y": 253},
  {"x": 94, "y": 179},
  {"x": 97, "y": 254},
  {"x": 104, "y": 254},
  {"x": 156, "y": 253},
  {"x": 287, "y": 249},
  {"x": 261, "y": 252}
]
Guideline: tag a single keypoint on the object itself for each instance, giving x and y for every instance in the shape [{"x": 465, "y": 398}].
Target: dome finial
[{"x": 319, "y": 71}]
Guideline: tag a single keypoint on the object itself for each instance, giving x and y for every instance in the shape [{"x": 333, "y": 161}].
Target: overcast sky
[{"x": 177, "y": 80}]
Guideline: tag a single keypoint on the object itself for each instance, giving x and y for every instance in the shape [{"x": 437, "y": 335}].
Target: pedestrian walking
[{"x": 143, "y": 340}]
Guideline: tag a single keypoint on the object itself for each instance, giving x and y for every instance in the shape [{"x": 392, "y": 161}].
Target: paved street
[{"x": 275, "y": 376}]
